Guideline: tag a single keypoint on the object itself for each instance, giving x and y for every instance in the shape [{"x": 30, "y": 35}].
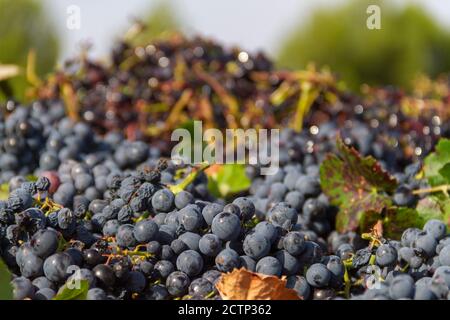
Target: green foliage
[
  {"x": 25, "y": 25},
  {"x": 437, "y": 164},
  {"x": 228, "y": 180},
  {"x": 75, "y": 293},
  {"x": 6, "y": 292},
  {"x": 160, "y": 22},
  {"x": 357, "y": 185},
  {"x": 409, "y": 42}
]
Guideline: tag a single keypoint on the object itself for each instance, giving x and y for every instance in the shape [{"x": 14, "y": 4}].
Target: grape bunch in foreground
[{"x": 84, "y": 200}]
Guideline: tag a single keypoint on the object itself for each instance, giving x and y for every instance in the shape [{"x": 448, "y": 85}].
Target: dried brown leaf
[{"x": 241, "y": 284}]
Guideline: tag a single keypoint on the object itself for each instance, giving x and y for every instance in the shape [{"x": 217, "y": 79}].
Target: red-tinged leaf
[{"x": 357, "y": 185}]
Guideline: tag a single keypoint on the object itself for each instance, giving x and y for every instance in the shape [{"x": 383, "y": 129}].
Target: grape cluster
[{"x": 416, "y": 267}]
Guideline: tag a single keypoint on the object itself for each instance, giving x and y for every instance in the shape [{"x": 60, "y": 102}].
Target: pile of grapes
[{"x": 94, "y": 212}]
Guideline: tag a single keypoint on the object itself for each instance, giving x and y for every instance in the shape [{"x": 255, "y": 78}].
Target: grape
[
  {"x": 145, "y": 231},
  {"x": 190, "y": 218},
  {"x": 345, "y": 251},
  {"x": 295, "y": 199},
  {"x": 256, "y": 246},
  {"x": 409, "y": 236},
  {"x": 178, "y": 246},
  {"x": 282, "y": 215},
  {"x": 44, "y": 242},
  {"x": 167, "y": 253},
  {"x": 190, "y": 262},
  {"x": 56, "y": 267},
  {"x": 166, "y": 234},
  {"x": 201, "y": 287},
  {"x": 177, "y": 283},
  {"x": 210, "y": 245},
  {"x": 110, "y": 228},
  {"x": 436, "y": 228},
  {"x": 22, "y": 288},
  {"x": 163, "y": 200},
  {"x": 402, "y": 286},
  {"x": 42, "y": 282},
  {"x": 277, "y": 191},
  {"x": 154, "y": 247},
  {"x": 212, "y": 276},
  {"x": 269, "y": 266},
  {"x": 267, "y": 230},
  {"x": 104, "y": 275},
  {"x": 294, "y": 243},
  {"x": 422, "y": 290},
  {"x": 248, "y": 263},
  {"x": 210, "y": 211},
  {"x": 300, "y": 285},
  {"x": 308, "y": 186},
  {"x": 246, "y": 207},
  {"x": 227, "y": 260},
  {"x": 183, "y": 198},
  {"x": 444, "y": 256},
  {"x": 290, "y": 179},
  {"x": 135, "y": 282},
  {"x": 96, "y": 294},
  {"x": 442, "y": 273},
  {"x": 318, "y": 275},
  {"x": 31, "y": 266},
  {"x": 192, "y": 240},
  {"x": 157, "y": 292},
  {"x": 226, "y": 226},
  {"x": 125, "y": 236},
  {"x": 45, "y": 294},
  {"x": 335, "y": 265},
  {"x": 83, "y": 274},
  {"x": 311, "y": 254},
  {"x": 426, "y": 244},
  {"x": 163, "y": 268},
  {"x": 386, "y": 255},
  {"x": 290, "y": 264}
]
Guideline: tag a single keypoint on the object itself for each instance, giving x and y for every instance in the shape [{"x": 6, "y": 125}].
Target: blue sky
[{"x": 251, "y": 24}]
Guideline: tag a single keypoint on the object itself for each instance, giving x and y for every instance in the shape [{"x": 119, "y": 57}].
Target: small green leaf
[
  {"x": 4, "y": 191},
  {"x": 436, "y": 164},
  {"x": 357, "y": 185},
  {"x": 6, "y": 291},
  {"x": 76, "y": 293},
  {"x": 229, "y": 179}
]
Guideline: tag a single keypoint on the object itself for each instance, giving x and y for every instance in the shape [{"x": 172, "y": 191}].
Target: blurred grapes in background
[
  {"x": 410, "y": 42},
  {"x": 330, "y": 33},
  {"x": 24, "y": 26}
]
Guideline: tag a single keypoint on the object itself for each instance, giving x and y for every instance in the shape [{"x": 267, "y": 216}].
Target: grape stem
[
  {"x": 443, "y": 188},
  {"x": 177, "y": 188}
]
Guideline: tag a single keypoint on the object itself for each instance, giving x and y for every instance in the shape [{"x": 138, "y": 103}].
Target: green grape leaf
[
  {"x": 429, "y": 208},
  {"x": 229, "y": 179},
  {"x": 445, "y": 172},
  {"x": 436, "y": 164},
  {"x": 434, "y": 207},
  {"x": 398, "y": 219},
  {"x": 357, "y": 185},
  {"x": 77, "y": 292},
  {"x": 6, "y": 291}
]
